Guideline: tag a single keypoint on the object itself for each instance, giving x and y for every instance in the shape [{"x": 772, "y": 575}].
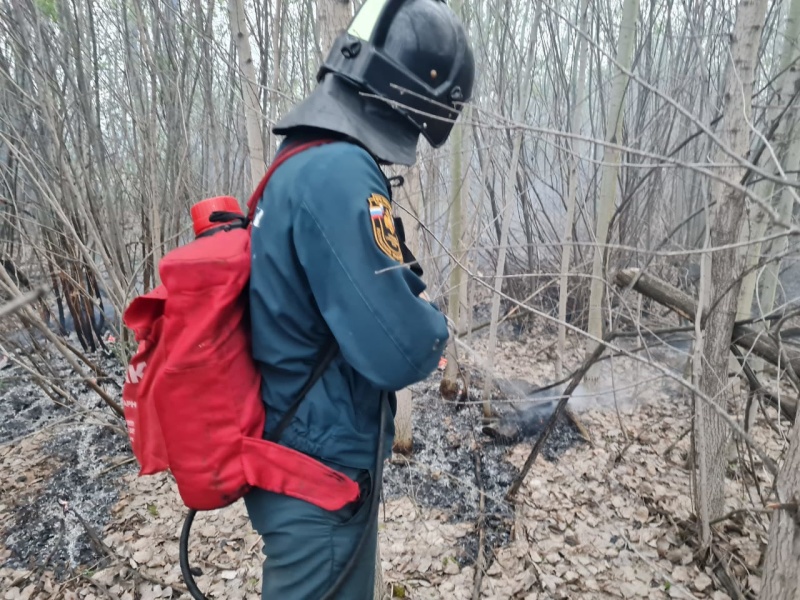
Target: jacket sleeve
[{"x": 368, "y": 298}]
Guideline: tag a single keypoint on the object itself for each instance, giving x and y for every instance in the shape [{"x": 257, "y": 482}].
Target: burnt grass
[
  {"x": 71, "y": 486},
  {"x": 48, "y": 532},
  {"x": 453, "y": 460}
]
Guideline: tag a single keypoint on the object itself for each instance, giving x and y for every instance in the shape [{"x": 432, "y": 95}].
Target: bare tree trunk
[
  {"x": 449, "y": 384},
  {"x": 403, "y": 419},
  {"x": 252, "y": 112},
  {"x": 787, "y": 149},
  {"x": 711, "y": 434},
  {"x": 506, "y": 217},
  {"x": 781, "y": 573},
  {"x": 333, "y": 17},
  {"x": 579, "y": 86},
  {"x": 608, "y": 185}
]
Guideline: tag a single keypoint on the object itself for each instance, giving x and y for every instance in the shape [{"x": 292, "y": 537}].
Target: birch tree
[
  {"x": 573, "y": 144},
  {"x": 252, "y": 110},
  {"x": 791, "y": 166},
  {"x": 610, "y": 168},
  {"x": 711, "y": 433},
  {"x": 787, "y": 148},
  {"x": 786, "y": 83},
  {"x": 409, "y": 197}
]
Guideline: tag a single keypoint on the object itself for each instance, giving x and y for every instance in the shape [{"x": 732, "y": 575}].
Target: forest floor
[{"x": 606, "y": 518}]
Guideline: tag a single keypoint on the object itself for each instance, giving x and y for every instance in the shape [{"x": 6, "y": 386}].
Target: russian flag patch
[{"x": 383, "y": 227}]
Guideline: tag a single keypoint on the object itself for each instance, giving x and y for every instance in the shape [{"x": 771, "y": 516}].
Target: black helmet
[{"x": 403, "y": 67}]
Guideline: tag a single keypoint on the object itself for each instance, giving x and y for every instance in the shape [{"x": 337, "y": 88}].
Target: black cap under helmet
[{"x": 413, "y": 57}]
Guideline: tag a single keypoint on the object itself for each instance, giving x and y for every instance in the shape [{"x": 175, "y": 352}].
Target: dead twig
[
  {"x": 100, "y": 586},
  {"x": 479, "y": 561},
  {"x": 101, "y": 547},
  {"x": 725, "y": 576},
  {"x": 21, "y": 301},
  {"x": 101, "y": 375},
  {"x": 768, "y": 509},
  {"x": 676, "y": 442},
  {"x": 562, "y": 404},
  {"x": 117, "y": 465},
  {"x": 622, "y": 452},
  {"x": 582, "y": 429},
  {"x": 94, "y": 536}
]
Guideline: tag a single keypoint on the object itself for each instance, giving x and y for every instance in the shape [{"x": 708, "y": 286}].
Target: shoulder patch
[{"x": 380, "y": 216}]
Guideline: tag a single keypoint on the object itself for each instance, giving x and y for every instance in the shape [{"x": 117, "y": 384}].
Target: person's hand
[{"x": 424, "y": 296}]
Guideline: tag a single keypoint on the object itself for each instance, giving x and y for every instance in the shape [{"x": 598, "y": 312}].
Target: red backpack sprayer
[{"x": 192, "y": 396}]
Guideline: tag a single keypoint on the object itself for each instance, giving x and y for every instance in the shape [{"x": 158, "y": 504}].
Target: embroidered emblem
[{"x": 380, "y": 213}]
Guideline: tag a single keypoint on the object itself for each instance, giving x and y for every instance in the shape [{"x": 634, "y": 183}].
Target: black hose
[
  {"x": 183, "y": 545},
  {"x": 373, "y": 508},
  {"x": 183, "y": 550}
]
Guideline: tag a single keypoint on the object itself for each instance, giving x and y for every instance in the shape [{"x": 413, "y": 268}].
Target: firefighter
[{"x": 328, "y": 264}]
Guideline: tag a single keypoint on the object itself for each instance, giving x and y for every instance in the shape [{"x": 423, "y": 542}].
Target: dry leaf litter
[{"x": 602, "y": 520}]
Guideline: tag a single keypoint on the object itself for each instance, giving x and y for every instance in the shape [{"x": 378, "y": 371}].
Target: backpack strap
[
  {"x": 331, "y": 348},
  {"x": 282, "y": 156},
  {"x": 328, "y": 354}
]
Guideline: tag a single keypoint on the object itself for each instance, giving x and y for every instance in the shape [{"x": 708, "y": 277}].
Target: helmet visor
[{"x": 363, "y": 24}]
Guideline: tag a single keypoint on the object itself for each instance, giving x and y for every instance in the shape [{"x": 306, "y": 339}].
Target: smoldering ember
[{"x": 565, "y": 237}]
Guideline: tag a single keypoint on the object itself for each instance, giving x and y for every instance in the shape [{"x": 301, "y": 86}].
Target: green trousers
[{"x": 307, "y": 547}]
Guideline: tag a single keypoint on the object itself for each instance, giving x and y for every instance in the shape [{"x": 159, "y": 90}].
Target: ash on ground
[
  {"x": 450, "y": 448},
  {"x": 60, "y": 470}
]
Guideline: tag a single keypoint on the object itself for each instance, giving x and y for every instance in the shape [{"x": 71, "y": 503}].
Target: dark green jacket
[{"x": 324, "y": 264}]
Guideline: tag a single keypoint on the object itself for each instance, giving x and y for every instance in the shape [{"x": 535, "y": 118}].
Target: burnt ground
[
  {"x": 453, "y": 460},
  {"x": 48, "y": 504},
  {"x": 61, "y": 469}
]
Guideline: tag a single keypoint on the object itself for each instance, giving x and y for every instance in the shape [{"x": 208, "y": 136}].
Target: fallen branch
[
  {"x": 738, "y": 431},
  {"x": 117, "y": 465},
  {"x": 768, "y": 509},
  {"x": 21, "y": 301},
  {"x": 94, "y": 535},
  {"x": 757, "y": 342},
  {"x": 560, "y": 407}
]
